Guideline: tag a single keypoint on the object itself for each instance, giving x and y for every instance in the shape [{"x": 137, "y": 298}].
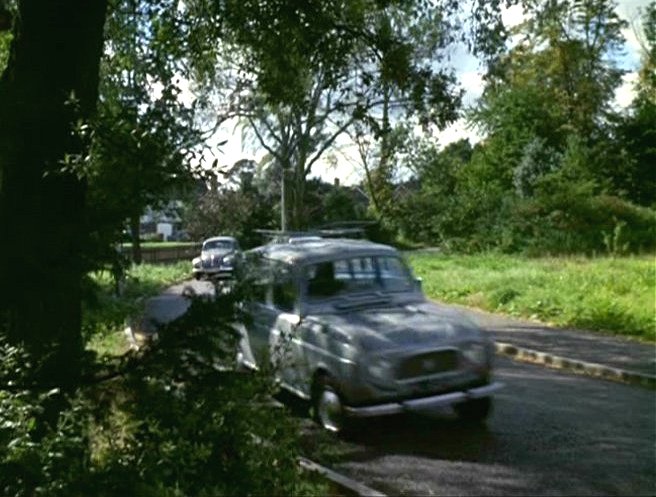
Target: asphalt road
[{"x": 551, "y": 434}]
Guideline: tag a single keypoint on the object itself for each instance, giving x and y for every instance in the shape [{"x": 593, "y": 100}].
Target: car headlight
[
  {"x": 196, "y": 262},
  {"x": 380, "y": 369},
  {"x": 475, "y": 353},
  {"x": 228, "y": 260}
]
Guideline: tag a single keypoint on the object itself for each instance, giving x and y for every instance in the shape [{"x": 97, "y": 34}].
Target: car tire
[
  {"x": 474, "y": 411},
  {"x": 327, "y": 406}
]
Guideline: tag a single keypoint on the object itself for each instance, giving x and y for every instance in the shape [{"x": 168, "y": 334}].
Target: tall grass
[{"x": 609, "y": 294}]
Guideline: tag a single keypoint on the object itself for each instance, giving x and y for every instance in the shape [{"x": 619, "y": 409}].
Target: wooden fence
[{"x": 165, "y": 255}]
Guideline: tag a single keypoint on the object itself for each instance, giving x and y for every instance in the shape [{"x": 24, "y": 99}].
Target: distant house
[{"x": 164, "y": 223}]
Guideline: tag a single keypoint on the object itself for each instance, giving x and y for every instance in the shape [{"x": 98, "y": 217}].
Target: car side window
[
  {"x": 324, "y": 280},
  {"x": 259, "y": 292},
  {"x": 257, "y": 272},
  {"x": 284, "y": 288},
  {"x": 284, "y": 295}
]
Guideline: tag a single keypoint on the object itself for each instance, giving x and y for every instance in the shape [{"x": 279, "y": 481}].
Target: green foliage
[
  {"x": 104, "y": 313},
  {"x": 176, "y": 422},
  {"x": 565, "y": 217},
  {"x": 236, "y": 208},
  {"x": 557, "y": 172},
  {"x": 636, "y": 151},
  {"x": 610, "y": 294},
  {"x": 7, "y": 14},
  {"x": 5, "y": 42},
  {"x": 38, "y": 458},
  {"x": 195, "y": 429},
  {"x": 647, "y": 75},
  {"x": 144, "y": 135},
  {"x": 359, "y": 70},
  {"x": 537, "y": 160}
]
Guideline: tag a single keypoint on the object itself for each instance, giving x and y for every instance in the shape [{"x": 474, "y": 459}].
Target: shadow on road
[{"x": 435, "y": 435}]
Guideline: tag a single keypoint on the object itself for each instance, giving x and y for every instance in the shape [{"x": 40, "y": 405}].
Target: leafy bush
[
  {"x": 176, "y": 422},
  {"x": 38, "y": 456},
  {"x": 573, "y": 221},
  {"x": 537, "y": 160},
  {"x": 105, "y": 312}
]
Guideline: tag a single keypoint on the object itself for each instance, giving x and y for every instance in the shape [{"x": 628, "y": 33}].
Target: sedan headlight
[
  {"x": 475, "y": 353},
  {"x": 196, "y": 262},
  {"x": 229, "y": 259}
]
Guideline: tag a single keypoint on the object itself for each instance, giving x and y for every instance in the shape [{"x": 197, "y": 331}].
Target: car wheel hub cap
[{"x": 330, "y": 411}]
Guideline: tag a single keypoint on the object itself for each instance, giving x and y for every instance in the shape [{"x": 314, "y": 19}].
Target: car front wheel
[
  {"x": 474, "y": 411},
  {"x": 327, "y": 408}
]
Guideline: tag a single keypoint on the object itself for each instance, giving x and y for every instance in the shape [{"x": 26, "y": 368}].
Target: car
[
  {"x": 218, "y": 257},
  {"x": 343, "y": 324}
]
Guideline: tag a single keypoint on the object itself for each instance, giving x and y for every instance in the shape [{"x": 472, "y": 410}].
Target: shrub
[
  {"x": 569, "y": 217},
  {"x": 174, "y": 423}
]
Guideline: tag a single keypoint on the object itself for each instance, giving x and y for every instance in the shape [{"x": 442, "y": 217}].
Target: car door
[
  {"x": 257, "y": 330},
  {"x": 262, "y": 314},
  {"x": 284, "y": 346}
]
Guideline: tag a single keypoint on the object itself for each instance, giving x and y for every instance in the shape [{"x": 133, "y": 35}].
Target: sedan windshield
[
  {"x": 358, "y": 274},
  {"x": 217, "y": 245}
]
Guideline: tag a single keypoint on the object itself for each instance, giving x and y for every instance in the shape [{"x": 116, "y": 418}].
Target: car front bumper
[
  {"x": 424, "y": 403},
  {"x": 214, "y": 272}
]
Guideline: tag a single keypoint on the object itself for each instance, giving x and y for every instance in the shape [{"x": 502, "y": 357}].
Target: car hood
[
  {"x": 415, "y": 325},
  {"x": 208, "y": 254}
]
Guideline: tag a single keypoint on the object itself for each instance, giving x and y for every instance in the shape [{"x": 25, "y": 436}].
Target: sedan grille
[
  {"x": 429, "y": 363},
  {"x": 213, "y": 261}
]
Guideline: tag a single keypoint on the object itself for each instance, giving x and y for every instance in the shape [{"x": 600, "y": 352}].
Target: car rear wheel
[
  {"x": 327, "y": 407},
  {"x": 474, "y": 411}
]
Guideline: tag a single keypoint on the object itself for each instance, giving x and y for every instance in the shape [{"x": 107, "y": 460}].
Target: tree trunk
[
  {"x": 50, "y": 83},
  {"x": 135, "y": 234},
  {"x": 299, "y": 221},
  {"x": 379, "y": 179}
]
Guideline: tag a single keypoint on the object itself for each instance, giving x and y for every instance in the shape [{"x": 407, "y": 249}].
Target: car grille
[
  {"x": 429, "y": 363},
  {"x": 212, "y": 262}
]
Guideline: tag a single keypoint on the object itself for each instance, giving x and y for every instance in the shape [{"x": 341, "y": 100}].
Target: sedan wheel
[{"x": 327, "y": 406}]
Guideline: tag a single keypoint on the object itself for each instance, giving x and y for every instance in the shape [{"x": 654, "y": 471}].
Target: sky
[{"x": 470, "y": 75}]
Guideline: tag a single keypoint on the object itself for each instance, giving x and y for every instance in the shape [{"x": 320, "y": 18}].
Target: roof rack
[
  {"x": 286, "y": 236},
  {"x": 348, "y": 224},
  {"x": 356, "y": 229}
]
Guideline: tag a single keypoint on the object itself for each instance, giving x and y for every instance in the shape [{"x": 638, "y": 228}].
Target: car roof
[
  {"x": 220, "y": 239},
  {"x": 322, "y": 249}
]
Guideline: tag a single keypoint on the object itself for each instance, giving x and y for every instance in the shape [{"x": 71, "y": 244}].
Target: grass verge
[
  {"x": 608, "y": 294},
  {"x": 105, "y": 312}
]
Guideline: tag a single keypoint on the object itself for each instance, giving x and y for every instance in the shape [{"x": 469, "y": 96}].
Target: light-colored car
[
  {"x": 217, "y": 259},
  {"x": 346, "y": 326}
]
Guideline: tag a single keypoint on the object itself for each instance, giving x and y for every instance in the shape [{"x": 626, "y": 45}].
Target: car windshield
[
  {"x": 357, "y": 274},
  {"x": 217, "y": 245}
]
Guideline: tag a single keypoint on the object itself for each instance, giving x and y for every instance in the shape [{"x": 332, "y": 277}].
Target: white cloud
[
  {"x": 625, "y": 93},
  {"x": 512, "y": 16},
  {"x": 630, "y": 11},
  {"x": 458, "y": 131},
  {"x": 473, "y": 84}
]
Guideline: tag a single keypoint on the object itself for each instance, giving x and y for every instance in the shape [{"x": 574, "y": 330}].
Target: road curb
[
  {"x": 575, "y": 365},
  {"x": 344, "y": 483}
]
